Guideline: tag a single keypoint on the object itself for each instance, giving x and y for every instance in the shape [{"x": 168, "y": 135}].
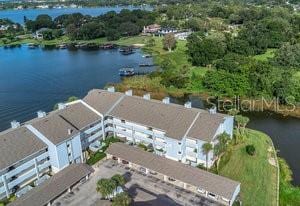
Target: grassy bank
[
  {"x": 289, "y": 195},
  {"x": 126, "y": 41},
  {"x": 257, "y": 176},
  {"x": 178, "y": 58}
]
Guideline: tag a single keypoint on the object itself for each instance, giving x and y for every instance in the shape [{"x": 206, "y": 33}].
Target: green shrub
[
  {"x": 201, "y": 166},
  {"x": 250, "y": 149},
  {"x": 96, "y": 157},
  {"x": 144, "y": 147}
]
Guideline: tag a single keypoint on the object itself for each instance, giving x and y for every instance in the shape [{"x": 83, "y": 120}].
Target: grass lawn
[
  {"x": 126, "y": 41},
  {"x": 179, "y": 58},
  {"x": 257, "y": 176},
  {"x": 266, "y": 56},
  {"x": 289, "y": 195}
]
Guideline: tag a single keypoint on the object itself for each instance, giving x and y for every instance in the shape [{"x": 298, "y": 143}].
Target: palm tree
[
  {"x": 241, "y": 122},
  {"x": 244, "y": 122},
  {"x": 119, "y": 180},
  {"x": 206, "y": 148},
  {"x": 106, "y": 187},
  {"x": 221, "y": 147},
  {"x": 121, "y": 199}
]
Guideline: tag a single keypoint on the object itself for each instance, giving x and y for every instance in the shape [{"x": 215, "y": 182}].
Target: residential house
[{"x": 151, "y": 29}]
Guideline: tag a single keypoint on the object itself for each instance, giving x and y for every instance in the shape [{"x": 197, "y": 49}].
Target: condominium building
[
  {"x": 174, "y": 131},
  {"x": 53, "y": 141},
  {"x": 23, "y": 159}
]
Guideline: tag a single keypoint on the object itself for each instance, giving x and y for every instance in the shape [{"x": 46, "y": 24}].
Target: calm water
[
  {"x": 18, "y": 15},
  {"x": 34, "y": 79}
]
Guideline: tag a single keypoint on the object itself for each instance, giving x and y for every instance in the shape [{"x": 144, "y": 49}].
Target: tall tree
[
  {"x": 106, "y": 187},
  {"x": 206, "y": 148},
  {"x": 119, "y": 180},
  {"x": 204, "y": 50},
  {"x": 169, "y": 42},
  {"x": 221, "y": 147},
  {"x": 121, "y": 199},
  {"x": 241, "y": 122}
]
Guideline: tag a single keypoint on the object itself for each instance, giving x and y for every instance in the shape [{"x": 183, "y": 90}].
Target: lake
[
  {"x": 37, "y": 79},
  {"x": 34, "y": 79},
  {"x": 18, "y": 15}
]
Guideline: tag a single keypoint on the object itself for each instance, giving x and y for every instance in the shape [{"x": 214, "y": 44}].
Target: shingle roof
[
  {"x": 78, "y": 115},
  {"x": 54, "y": 128},
  {"x": 205, "y": 126},
  {"x": 102, "y": 100},
  {"x": 194, "y": 176},
  {"x": 175, "y": 120},
  {"x": 54, "y": 186},
  {"x": 17, "y": 144}
]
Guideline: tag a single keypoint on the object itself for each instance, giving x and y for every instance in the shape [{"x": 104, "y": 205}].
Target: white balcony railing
[
  {"x": 191, "y": 143},
  {"x": 95, "y": 136},
  {"x": 26, "y": 165}
]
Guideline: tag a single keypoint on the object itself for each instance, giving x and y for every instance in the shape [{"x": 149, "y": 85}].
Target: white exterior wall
[
  {"x": 58, "y": 154},
  {"x": 24, "y": 173},
  {"x": 173, "y": 148},
  {"x": 228, "y": 125},
  {"x": 235, "y": 194},
  {"x": 66, "y": 155}
]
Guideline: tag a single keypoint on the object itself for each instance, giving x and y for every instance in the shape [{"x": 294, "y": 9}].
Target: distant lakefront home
[
  {"x": 151, "y": 29},
  {"x": 51, "y": 142}
]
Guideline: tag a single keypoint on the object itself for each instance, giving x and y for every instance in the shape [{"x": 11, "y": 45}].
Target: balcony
[
  {"x": 94, "y": 128},
  {"x": 26, "y": 165},
  {"x": 136, "y": 128},
  {"x": 95, "y": 136},
  {"x": 143, "y": 137},
  {"x": 191, "y": 143},
  {"x": 159, "y": 143}
]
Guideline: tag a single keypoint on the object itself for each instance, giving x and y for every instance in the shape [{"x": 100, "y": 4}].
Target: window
[
  {"x": 171, "y": 179},
  {"x": 201, "y": 190},
  {"x": 142, "y": 169},
  {"x": 179, "y": 143},
  {"x": 211, "y": 195},
  {"x": 125, "y": 162},
  {"x": 123, "y": 121}
]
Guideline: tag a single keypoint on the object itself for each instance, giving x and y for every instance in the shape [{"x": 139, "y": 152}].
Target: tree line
[
  {"x": 77, "y": 26},
  {"x": 226, "y": 40}
]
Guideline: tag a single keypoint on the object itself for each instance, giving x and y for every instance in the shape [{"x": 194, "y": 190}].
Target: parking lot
[{"x": 145, "y": 190}]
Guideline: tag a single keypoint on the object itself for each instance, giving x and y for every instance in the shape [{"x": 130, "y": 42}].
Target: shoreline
[
  {"x": 124, "y": 41},
  {"x": 160, "y": 94}
]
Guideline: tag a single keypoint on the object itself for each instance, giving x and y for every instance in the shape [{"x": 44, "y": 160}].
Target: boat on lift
[
  {"x": 126, "y": 50},
  {"x": 147, "y": 56},
  {"x": 126, "y": 72}
]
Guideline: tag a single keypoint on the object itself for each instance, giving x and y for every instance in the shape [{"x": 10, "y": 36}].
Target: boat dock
[{"x": 127, "y": 72}]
